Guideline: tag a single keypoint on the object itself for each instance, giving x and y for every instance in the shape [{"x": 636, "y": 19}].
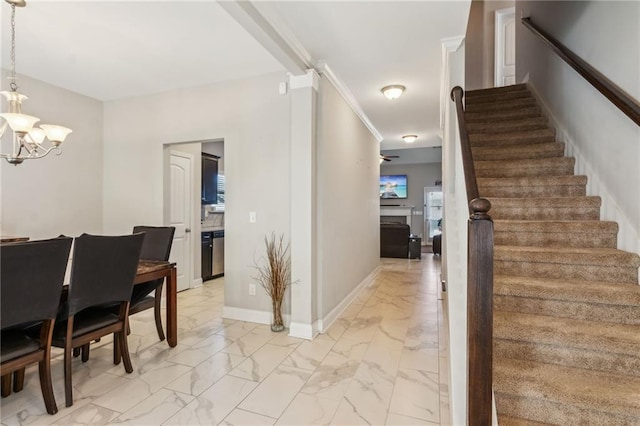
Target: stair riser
[
  {"x": 542, "y": 170},
  {"x": 556, "y": 271},
  {"x": 496, "y": 91},
  {"x": 500, "y": 106},
  {"x": 569, "y": 309},
  {"x": 529, "y": 112},
  {"x": 513, "y": 141},
  {"x": 554, "y": 239},
  {"x": 543, "y": 213},
  {"x": 498, "y": 128},
  {"x": 546, "y": 411},
  {"x": 474, "y": 100},
  {"x": 533, "y": 191},
  {"x": 519, "y": 153}
]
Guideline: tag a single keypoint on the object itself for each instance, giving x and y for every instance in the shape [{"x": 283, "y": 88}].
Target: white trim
[
  {"x": 351, "y": 100},
  {"x": 303, "y": 331},
  {"x": 628, "y": 236},
  {"x": 451, "y": 44},
  {"x": 309, "y": 79},
  {"x": 196, "y": 283},
  {"x": 499, "y": 46},
  {"x": 251, "y": 315},
  {"x": 325, "y": 323}
]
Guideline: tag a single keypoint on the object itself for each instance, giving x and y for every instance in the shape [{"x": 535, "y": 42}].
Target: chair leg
[
  {"x": 6, "y": 385},
  {"x": 44, "y": 368},
  {"x": 18, "y": 379},
  {"x": 76, "y": 352},
  {"x": 124, "y": 351},
  {"x": 85, "y": 352},
  {"x": 68, "y": 353},
  {"x": 158, "y": 313},
  {"x": 117, "y": 355}
]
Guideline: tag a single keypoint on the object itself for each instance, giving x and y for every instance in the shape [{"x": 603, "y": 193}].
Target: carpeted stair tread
[
  {"x": 576, "y": 333},
  {"x": 519, "y": 152},
  {"x": 484, "y": 99},
  {"x": 568, "y": 255},
  {"x": 548, "y": 208},
  {"x": 555, "y": 166},
  {"x": 507, "y": 126},
  {"x": 565, "y": 395},
  {"x": 567, "y": 233},
  {"x": 513, "y": 138},
  {"x": 590, "y": 300},
  {"x": 533, "y": 186},
  {"x": 523, "y": 112},
  {"x": 496, "y": 90},
  {"x": 517, "y": 421},
  {"x": 509, "y": 104}
]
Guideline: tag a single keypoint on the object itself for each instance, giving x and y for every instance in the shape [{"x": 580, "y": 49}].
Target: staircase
[{"x": 566, "y": 301}]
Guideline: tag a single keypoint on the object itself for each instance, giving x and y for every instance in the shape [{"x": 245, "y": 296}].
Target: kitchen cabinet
[{"x": 209, "y": 178}]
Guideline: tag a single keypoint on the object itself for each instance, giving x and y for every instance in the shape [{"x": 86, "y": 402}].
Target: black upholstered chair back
[
  {"x": 31, "y": 277},
  {"x": 103, "y": 270},
  {"x": 157, "y": 241}
]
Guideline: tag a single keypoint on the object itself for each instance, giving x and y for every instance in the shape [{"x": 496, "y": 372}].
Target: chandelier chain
[{"x": 14, "y": 86}]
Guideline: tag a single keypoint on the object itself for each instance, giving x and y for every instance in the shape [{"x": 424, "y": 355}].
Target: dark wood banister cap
[
  {"x": 479, "y": 208},
  {"x": 457, "y": 89}
]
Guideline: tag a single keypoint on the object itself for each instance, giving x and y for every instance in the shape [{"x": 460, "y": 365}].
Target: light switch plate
[{"x": 252, "y": 217}]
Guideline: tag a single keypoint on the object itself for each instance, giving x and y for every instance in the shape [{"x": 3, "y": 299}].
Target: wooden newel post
[{"x": 480, "y": 313}]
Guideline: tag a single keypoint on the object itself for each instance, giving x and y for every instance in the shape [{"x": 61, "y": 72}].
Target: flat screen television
[{"x": 393, "y": 186}]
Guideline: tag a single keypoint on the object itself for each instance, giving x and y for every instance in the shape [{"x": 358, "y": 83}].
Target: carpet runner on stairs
[{"x": 566, "y": 301}]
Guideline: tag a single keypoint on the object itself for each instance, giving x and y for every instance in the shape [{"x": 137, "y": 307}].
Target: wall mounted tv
[{"x": 393, "y": 186}]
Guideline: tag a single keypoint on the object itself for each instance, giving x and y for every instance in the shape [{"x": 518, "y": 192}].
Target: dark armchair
[{"x": 394, "y": 240}]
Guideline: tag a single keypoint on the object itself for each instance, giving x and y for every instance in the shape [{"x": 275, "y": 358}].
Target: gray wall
[
  {"x": 252, "y": 119},
  {"x": 480, "y": 43},
  {"x": 57, "y": 194},
  {"x": 604, "y": 141},
  {"x": 348, "y": 209},
  {"x": 418, "y": 176}
]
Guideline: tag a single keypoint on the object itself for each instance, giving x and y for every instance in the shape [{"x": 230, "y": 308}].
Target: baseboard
[
  {"x": 196, "y": 283},
  {"x": 251, "y": 315},
  {"x": 628, "y": 237},
  {"x": 303, "y": 331},
  {"x": 324, "y": 323}
]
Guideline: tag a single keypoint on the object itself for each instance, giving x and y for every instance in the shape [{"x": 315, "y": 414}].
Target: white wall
[
  {"x": 57, "y": 194},
  {"x": 252, "y": 119},
  {"x": 348, "y": 199},
  {"x": 604, "y": 141},
  {"x": 418, "y": 176}
]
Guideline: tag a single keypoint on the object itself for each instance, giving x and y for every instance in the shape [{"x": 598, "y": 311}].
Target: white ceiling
[{"x": 110, "y": 50}]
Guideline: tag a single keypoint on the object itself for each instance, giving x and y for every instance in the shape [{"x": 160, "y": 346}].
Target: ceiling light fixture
[
  {"x": 410, "y": 138},
  {"x": 27, "y": 140},
  {"x": 393, "y": 92}
]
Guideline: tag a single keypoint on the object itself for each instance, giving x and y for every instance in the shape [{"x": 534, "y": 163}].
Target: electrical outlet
[
  {"x": 252, "y": 217},
  {"x": 252, "y": 289}
]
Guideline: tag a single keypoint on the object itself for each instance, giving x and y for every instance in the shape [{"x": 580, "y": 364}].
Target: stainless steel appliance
[{"x": 217, "y": 269}]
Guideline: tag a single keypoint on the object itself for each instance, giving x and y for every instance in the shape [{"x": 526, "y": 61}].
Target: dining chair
[
  {"x": 102, "y": 273},
  {"x": 32, "y": 279},
  {"x": 156, "y": 246}
]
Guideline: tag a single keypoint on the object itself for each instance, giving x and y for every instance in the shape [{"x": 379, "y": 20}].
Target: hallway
[{"x": 384, "y": 361}]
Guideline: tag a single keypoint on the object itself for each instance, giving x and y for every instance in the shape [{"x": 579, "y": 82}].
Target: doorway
[
  {"x": 432, "y": 211},
  {"x": 505, "y": 47}
]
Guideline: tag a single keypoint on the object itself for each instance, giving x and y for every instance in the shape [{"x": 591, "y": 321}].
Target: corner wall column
[{"x": 304, "y": 90}]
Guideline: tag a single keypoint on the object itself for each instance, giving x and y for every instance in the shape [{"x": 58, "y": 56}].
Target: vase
[{"x": 277, "y": 324}]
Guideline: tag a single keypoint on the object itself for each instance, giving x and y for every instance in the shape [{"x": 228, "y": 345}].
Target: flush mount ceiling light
[
  {"x": 27, "y": 140},
  {"x": 410, "y": 138},
  {"x": 393, "y": 92}
]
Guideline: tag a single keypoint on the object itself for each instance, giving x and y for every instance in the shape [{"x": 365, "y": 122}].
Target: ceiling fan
[{"x": 387, "y": 157}]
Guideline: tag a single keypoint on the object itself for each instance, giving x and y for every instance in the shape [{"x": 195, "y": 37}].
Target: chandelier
[{"x": 27, "y": 139}]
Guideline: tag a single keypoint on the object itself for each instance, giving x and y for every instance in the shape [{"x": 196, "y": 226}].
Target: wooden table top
[{"x": 10, "y": 239}]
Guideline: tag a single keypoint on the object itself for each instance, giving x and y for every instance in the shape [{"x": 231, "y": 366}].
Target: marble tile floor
[{"x": 384, "y": 361}]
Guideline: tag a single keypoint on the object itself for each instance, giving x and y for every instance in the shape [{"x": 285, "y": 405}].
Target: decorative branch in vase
[{"x": 274, "y": 275}]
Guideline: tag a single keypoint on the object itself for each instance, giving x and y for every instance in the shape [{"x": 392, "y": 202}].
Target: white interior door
[
  {"x": 505, "y": 49},
  {"x": 181, "y": 193}
]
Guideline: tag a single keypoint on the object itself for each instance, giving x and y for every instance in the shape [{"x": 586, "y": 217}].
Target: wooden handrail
[
  {"x": 479, "y": 286},
  {"x": 609, "y": 89}
]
